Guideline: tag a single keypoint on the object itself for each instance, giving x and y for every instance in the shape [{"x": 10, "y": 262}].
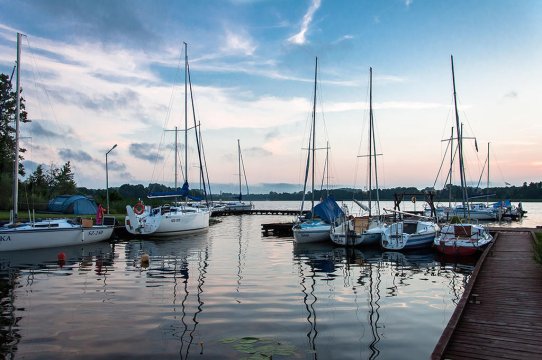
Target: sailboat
[
  {"x": 239, "y": 205},
  {"x": 316, "y": 225},
  {"x": 50, "y": 232},
  {"x": 178, "y": 218},
  {"x": 461, "y": 238},
  {"x": 367, "y": 229}
]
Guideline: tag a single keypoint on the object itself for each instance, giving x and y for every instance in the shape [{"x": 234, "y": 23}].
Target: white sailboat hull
[
  {"x": 48, "y": 234},
  {"x": 311, "y": 231},
  {"x": 410, "y": 235},
  {"x": 179, "y": 222},
  {"x": 349, "y": 233}
]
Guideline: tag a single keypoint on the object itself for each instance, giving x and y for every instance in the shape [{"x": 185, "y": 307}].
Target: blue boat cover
[
  {"x": 504, "y": 203},
  {"x": 179, "y": 192},
  {"x": 328, "y": 210}
]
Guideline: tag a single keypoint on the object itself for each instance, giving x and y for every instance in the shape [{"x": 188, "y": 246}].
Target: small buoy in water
[
  {"x": 144, "y": 260},
  {"x": 61, "y": 258}
]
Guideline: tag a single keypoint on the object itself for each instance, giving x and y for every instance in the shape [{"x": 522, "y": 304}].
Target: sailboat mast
[
  {"x": 17, "y": 120},
  {"x": 375, "y": 155},
  {"x": 176, "y": 157},
  {"x": 239, "y": 159},
  {"x": 185, "y": 111},
  {"x": 487, "y": 188},
  {"x": 314, "y": 130},
  {"x": 451, "y": 167},
  {"x": 370, "y": 136},
  {"x": 459, "y": 143}
]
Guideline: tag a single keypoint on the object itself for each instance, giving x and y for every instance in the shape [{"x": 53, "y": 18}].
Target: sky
[{"x": 96, "y": 73}]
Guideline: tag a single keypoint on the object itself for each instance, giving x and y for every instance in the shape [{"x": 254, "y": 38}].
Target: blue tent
[{"x": 73, "y": 204}]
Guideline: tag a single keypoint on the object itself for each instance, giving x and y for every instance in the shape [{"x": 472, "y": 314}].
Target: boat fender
[
  {"x": 139, "y": 208},
  {"x": 61, "y": 259}
]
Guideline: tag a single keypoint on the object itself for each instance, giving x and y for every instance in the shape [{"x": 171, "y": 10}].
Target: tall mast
[
  {"x": 176, "y": 157},
  {"x": 459, "y": 144},
  {"x": 185, "y": 111},
  {"x": 451, "y": 167},
  {"x": 487, "y": 189},
  {"x": 374, "y": 151},
  {"x": 370, "y": 136},
  {"x": 17, "y": 120},
  {"x": 314, "y": 130},
  {"x": 239, "y": 159}
]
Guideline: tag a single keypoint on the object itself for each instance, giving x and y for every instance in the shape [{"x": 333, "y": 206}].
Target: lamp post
[{"x": 107, "y": 178}]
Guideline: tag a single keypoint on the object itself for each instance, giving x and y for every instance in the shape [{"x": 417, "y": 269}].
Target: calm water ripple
[{"x": 229, "y": 293}]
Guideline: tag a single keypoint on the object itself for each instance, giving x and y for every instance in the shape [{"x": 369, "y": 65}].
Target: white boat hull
[
  {"x": 182, "y": 222},
  {"x": 398, "y": 237},
  {"x": 53, "y": 233},
  {"x": 348, "y": 234},
  {"x": 311, "y": 231}
]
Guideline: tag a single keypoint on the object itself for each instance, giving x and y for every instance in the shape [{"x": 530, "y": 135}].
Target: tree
[
  {"x": 8, "y": 108},
  {"x": 38, "y": 183},
  {"x": 64, "y": 182}
]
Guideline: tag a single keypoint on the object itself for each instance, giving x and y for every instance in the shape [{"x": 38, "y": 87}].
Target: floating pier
[
  {"x": 278, "y": 229},
  {"x": 499, "y": 315},
  {"x": 257, "y": 212}
]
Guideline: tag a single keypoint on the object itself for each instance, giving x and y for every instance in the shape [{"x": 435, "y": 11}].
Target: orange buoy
[{"x": 61, "y": 258}]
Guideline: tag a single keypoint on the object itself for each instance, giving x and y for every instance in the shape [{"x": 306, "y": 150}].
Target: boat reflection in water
[
  {"x": 327, "y": 264},
  {"x": 21, "y": 270},
  {"x": 167, "y": 264},
  {"x": 383, "y": 288}
]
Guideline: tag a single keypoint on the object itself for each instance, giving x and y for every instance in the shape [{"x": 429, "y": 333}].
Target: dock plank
[{"x": 499, "y": 315}]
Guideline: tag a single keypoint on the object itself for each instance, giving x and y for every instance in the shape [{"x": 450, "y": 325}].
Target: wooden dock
[
  {"x": 500, "y": 313},
  {"x": 278, "y": 229},
  {"x": 257, "y": 212}
]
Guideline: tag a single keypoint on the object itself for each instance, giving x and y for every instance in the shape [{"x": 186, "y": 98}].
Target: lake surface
[{"x": 229, "y": 293}]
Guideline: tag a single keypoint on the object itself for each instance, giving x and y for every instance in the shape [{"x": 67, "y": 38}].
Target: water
[{"x": 199, "y": 296}]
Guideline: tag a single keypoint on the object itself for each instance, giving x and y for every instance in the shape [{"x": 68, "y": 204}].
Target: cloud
[
  {"x": 144, "y": 151},
  {"x": 408, "y": 3},
  {"x": 115, "y": 166},
  {"x": 110, "y": 21},
  {"x": 40, "y": 131},
  {"x": 299, "y": 38},
  {"x": 237, "y": 42},
  {"x": 512, "y": 94},
  {"x": 343, "y": 39},
  {"x": 124, "y": 99},
  {"x": 257, "y": 152},
  {"x": 77, "y": 155}
]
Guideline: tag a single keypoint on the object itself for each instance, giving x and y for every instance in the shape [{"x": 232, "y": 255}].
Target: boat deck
[{"x": 500, "y": 313}]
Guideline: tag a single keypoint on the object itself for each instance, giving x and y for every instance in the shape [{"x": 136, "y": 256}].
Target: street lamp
[{"x": 107, "y": 177}]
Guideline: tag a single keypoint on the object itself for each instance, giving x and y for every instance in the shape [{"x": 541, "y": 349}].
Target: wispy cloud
[
  {"x": 257, "y": 152},
  {"x": 300, "y": 37},
  {"x": 408, "y": 3},
  {"x": 116, "y": 166},
  {"x": 238, "y": 42},
  {"x": 144, "y": 151},
  {"x": 78, "y": 155},
  {"x": 512, "y": 94},
  {"x": 343, "y": 39}
]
